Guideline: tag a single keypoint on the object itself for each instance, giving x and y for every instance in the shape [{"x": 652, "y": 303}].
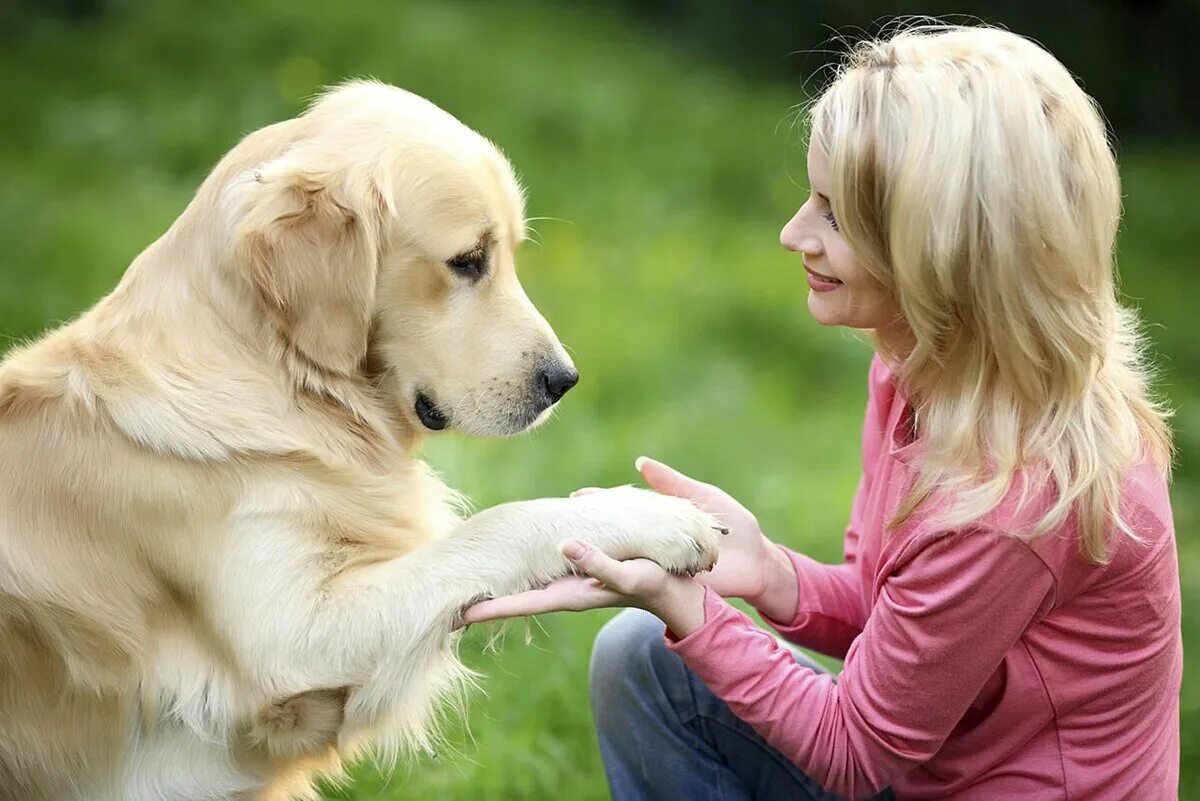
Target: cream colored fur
[{"x": 222, "y": 568}]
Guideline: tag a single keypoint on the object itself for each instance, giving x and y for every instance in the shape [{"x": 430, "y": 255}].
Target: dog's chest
[{"x": 174, "y": 763}]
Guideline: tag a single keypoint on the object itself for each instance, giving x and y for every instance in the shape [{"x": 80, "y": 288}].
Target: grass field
[{"x": 665, "y": 181}]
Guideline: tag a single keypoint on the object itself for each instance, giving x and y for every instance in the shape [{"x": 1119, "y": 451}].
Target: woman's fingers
[
  {"x": 637, "y": 581},
  {"x": 669, "y": 481},
  {"x": 595, "y": 563},
  {"x": 603, "y": 582},
  {"x": 571, "y": 594},
  {"x": 666, "y": 480}
]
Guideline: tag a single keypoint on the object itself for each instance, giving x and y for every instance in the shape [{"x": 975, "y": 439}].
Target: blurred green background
[{"x": 664, "y": 157}]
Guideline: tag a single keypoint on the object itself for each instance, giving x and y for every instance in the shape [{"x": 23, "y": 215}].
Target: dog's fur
[{"x": 221, "y": 566}]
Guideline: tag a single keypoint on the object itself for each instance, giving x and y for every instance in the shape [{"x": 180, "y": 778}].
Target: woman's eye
[
  {"x": 829, "y": 218},
  {"x": 469, "y": 265}
]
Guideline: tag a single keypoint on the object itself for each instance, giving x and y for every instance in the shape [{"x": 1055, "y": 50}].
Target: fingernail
[
  {"x": 573, "y": 549},
  {"x": 639, "y": 462}
]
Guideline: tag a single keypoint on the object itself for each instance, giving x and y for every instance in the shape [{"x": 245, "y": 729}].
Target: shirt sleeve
[
  {"x": 831, "y": 609},
  {"x": 942, "y": 623}
]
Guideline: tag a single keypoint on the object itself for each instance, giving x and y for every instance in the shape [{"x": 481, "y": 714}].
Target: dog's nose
[{"x": 556, "y": 380}]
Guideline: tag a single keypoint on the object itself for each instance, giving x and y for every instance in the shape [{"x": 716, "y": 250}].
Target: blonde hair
[{"x": 974, "y": 179}]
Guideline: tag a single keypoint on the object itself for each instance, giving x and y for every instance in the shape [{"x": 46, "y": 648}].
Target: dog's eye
[{"x": 469, "y": 265}]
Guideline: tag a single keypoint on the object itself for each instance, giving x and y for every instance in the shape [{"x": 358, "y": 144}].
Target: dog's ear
[{"x": 311, "y": 252}]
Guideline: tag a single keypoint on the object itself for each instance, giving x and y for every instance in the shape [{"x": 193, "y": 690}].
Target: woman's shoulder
[{"x": 1145, "y": 508}]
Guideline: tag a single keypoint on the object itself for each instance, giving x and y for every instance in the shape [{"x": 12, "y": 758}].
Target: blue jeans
[{"x": 665, "y": 737}]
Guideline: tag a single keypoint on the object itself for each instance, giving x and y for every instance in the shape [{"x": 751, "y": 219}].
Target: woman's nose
[{"x": 793, "y": 238}]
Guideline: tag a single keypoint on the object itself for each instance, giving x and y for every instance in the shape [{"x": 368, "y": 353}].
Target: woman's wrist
[
  {"x": 681, "y": 606},
  {"x": 780, "y": 594}
]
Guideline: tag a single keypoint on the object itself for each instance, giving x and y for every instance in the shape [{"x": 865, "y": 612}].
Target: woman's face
[{"x": 842, "y": 291}]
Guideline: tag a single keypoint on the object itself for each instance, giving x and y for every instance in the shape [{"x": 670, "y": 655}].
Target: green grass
[{"x": 668, "y": 180}]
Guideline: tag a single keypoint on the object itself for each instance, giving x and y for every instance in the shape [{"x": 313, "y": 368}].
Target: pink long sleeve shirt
[{"x": 977, "y": 665}]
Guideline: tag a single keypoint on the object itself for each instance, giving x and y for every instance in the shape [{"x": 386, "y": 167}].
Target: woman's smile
[{"x": 819, "y": 282}]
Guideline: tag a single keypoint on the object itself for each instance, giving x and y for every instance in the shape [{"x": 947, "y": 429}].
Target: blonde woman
[{"x": 1008, "y": 608}]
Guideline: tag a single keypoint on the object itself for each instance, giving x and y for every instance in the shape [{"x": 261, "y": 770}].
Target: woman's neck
[{"x": 895, "y": 339}]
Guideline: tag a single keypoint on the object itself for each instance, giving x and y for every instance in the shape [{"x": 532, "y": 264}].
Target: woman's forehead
[{"x": 818, "y": 167}]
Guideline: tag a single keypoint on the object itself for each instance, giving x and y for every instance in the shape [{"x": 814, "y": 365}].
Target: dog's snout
[{"x": 556, "y": 380}]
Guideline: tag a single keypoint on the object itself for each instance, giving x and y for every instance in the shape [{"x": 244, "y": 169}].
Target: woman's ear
[{"x": 312, "y": 255}]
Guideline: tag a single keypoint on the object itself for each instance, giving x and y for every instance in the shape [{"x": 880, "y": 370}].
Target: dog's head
[{"x": 379, "y": 238}]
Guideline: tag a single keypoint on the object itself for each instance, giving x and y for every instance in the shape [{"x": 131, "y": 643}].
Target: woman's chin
[{"x": 823, "y": 309}]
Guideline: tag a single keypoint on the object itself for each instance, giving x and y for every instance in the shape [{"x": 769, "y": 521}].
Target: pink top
[{"x": 977, "y": 666}]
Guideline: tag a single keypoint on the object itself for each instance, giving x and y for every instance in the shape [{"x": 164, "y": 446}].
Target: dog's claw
[{"x": 723, "y": 529}]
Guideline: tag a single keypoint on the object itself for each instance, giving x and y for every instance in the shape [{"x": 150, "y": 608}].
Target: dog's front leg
[
  {"x": 382, "y": 635},
  {"x": 515, "y": 546},
  {"x": 502, "y": 550}
]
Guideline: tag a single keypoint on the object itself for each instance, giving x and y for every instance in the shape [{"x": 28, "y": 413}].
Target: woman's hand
[
  {"x": 603, "y": 582},
  {"x": 750, "y": 566}
]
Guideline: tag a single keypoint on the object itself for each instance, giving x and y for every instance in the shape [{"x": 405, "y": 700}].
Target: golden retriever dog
[{"x": 222, "y": 565}]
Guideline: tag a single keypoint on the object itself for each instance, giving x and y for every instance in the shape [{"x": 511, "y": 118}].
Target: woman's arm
[{"x": 941, "y": 626}]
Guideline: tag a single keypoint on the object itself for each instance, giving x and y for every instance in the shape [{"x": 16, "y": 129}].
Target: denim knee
[{"x": 627, "y": 659}]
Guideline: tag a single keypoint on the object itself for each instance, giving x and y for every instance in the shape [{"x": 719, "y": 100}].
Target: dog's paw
[{"x": 637, "y": 523}]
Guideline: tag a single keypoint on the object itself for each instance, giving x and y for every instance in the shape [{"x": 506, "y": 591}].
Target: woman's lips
[{"x": 821, "y": 283}]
